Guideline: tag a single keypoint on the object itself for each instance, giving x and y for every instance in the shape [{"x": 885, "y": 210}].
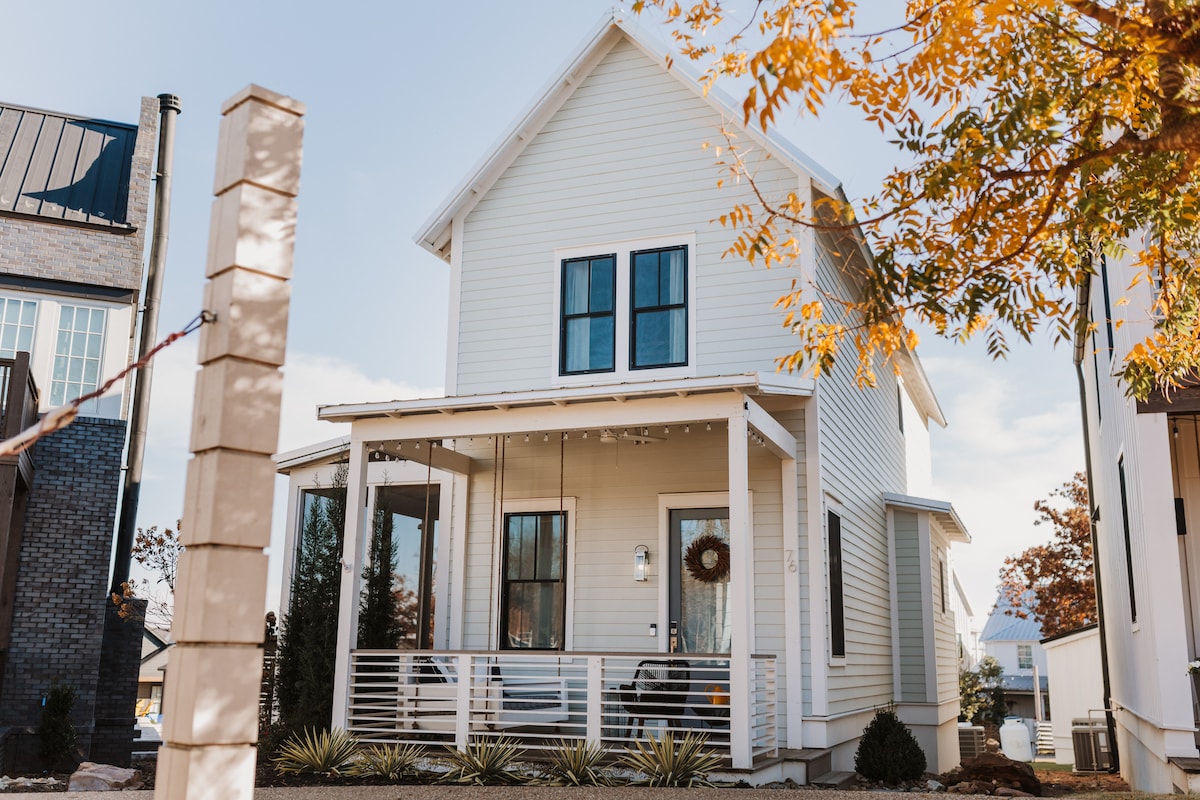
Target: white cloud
[
  {"x": 309, "y": 380},
  {"x": 1010, "y": 441}
]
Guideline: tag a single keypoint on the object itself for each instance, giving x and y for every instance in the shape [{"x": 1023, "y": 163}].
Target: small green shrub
[
  {"x": 324, "y": 753},
  {"x": 388, "y": 761},
  {"x": 576, "y": 763},
  {"x": 56, "y": 734},
  {"x": 484, "y": 762},
  {"x": 665, "y": 763},
  {"x": 888, "y": 750}
]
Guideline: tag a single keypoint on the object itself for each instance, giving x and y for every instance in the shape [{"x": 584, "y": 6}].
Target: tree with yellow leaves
[{"x": 1036, "y": 135}]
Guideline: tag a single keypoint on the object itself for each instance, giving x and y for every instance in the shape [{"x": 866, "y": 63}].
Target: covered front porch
[{"x": 564, "y": 601}]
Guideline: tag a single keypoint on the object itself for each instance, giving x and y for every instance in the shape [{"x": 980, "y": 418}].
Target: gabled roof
[
  {"x": 1002, "y": 627},
  {"x": 435, "y": 234},
  {"x": 65, "y": 168}
]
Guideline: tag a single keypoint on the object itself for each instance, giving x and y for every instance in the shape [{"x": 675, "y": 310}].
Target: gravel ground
[{"x": 509, "y": 793}]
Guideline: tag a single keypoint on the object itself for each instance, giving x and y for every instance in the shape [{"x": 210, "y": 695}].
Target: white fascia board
[
  {"x": 917, "y": 383},
  {"x": 750, "y": 382},
  {"x": 436, "y": 233},
  {"x": 310, "y": 454},
  {"x": 941, "y": 510}
]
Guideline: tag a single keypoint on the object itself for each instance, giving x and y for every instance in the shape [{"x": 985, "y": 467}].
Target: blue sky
[{"x": 403, "y": 99}]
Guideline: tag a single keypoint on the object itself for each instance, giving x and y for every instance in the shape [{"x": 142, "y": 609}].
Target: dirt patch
[{"x": 1057, "y": 784}]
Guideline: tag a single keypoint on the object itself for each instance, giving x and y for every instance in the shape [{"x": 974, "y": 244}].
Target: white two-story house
[
  {"x": 620, "y": 519},
  {"x": 1144, "y": 465}
]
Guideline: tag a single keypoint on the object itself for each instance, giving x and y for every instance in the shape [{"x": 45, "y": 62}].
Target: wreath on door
[{"x": 707, "y": 559}]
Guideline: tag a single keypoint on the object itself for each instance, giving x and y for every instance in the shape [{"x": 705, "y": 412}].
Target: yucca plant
[
  {"x": 667, "y": 763},
  {"x": 576, "y": 763},
  {"x": 391, "y": 762},
  {"x": 324, "y": 753},
  {"x": 484, "y": 762}
]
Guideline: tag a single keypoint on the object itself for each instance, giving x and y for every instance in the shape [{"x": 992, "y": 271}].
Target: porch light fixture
[{"x": 641, "y": 557}]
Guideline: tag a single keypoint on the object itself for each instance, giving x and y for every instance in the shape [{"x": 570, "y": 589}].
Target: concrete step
[{"x": 834, "y": 780}]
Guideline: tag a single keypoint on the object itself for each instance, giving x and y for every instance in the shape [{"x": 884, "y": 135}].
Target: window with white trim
[
  {"x": 77, "y": 355},
  {"x": 17, "y": 321},
  {"x": 625, "y": 308},
  {"x": 1024, "y": 656}
]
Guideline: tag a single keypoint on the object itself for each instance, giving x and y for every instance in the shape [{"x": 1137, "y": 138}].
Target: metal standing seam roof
[{"x": 65, "y": 168}]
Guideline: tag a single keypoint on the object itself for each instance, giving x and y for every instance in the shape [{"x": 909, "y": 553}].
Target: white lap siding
[{"x": 621, "y": 159}]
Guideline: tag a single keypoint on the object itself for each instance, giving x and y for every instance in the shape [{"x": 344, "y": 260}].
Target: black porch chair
[{"x": 659, "y": 691}]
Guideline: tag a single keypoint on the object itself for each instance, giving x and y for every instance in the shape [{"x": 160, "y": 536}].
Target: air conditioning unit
[
  {"x": 970, "y": 741},
  {"x": 1089, "y": 738}
]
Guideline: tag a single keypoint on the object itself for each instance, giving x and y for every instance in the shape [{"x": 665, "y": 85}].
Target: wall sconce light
[{"x": 641, "y": 557}]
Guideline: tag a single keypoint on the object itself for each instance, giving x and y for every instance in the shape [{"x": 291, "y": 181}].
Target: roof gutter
[{"x": 1082, "y": 293}]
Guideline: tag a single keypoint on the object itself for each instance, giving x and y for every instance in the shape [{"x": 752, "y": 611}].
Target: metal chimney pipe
[{"x": 169, "y": 107}]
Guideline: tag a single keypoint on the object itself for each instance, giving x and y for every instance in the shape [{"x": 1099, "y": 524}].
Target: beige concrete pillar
[{"x": 210, "y": 708}]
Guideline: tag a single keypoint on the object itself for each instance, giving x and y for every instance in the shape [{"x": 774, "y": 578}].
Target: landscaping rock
[
  {"x": 934, "y": 786},
  {"x": 91, "y": 777},
  {"x": 1005, "y": 791},
  {"x": 997, "y": 769}
]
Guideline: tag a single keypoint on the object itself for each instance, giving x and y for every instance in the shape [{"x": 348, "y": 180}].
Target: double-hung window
[
  {"x": 625, "y": 307},
  {"x": 659, "y": 309},
  {"x": 533, "y": 598},
  {"x": 588, "y": 315}
]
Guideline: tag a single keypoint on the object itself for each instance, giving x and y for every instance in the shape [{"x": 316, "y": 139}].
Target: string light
[
  {"x": 545, "y": 437},
  {"x": 687, "y": 428},
  {"x": 708, "y": 426},
  {"x": 527, "y": 438},
  {"x": 585, "y": 434}
]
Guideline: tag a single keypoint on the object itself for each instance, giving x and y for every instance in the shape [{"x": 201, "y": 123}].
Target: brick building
[{"x": 74, "y": 197}]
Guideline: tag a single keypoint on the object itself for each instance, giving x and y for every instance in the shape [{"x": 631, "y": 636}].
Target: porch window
[
  {"x": 588, "y": 315},
  {"x": 837, "y": 612},
  {"x": 659, "y": 318},
  {"x": 77, "y": 355},
  {"x": 533, "y": 597}
]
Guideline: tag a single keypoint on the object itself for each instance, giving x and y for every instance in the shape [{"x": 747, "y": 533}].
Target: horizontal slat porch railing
[{"x": 541, "y": 698}]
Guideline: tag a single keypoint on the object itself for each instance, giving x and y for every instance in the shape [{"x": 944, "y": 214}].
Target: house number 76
[{"x": 790, "y": 560}]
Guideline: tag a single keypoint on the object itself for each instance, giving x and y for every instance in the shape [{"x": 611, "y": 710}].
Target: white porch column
[
  {"x": 455, "y": 585},
  {"x": 741, "y": 582},
  {"x": 354, "y": 543},
  {"x": 789, "y": 474}
]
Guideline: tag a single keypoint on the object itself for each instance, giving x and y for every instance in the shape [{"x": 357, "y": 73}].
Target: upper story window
[
  {"x": 1024, "y": 656},
  {"x": 17, "y": 319},
  {"x": 77, "y": 355},
  {"x": 588, "y": 311},
  {"x": 659, "y": 325},
  {"x": 623, "y": 307}
]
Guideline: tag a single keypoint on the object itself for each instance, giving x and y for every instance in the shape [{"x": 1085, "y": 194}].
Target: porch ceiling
[{"x": 754, "y": 383}]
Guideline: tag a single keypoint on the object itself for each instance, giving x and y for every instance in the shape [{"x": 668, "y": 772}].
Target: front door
[{"x": 700, "y": 612}]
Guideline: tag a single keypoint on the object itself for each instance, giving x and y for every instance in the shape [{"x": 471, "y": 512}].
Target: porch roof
[
  {"x": 940, "y": 510},
  {"x": 755, "y": 383}
]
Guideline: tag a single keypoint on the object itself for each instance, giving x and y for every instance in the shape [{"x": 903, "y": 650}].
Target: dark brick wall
[
  {"x": 116, "y": 695},
  {"x": 58, "y": 624}
]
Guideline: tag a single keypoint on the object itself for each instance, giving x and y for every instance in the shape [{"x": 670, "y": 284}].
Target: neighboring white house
[
  {"x": 1075, "y": 654},
  {"x": 621, "y": 517},
  {"x": 1017, "y": 644},
  {"x": 1145, "y": 479},
  {"x": 965, "y": 631}
]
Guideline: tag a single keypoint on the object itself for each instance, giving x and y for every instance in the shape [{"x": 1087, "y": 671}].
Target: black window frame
[
  {"x": 634, "y": 311},
  {"x": 1128, "y": 543},
  {"x": 837, "y": 597},
  {"x": 505, "y": 582},
  {"x": 565, "y": 317}
]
